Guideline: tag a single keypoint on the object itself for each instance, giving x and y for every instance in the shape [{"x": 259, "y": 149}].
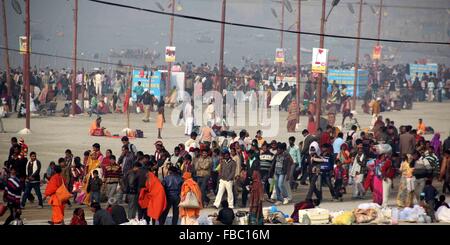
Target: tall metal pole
[
  {"x": 281, "y": 34},
  {"x": 222, "y": 44},
  {"x": 358, "y": 34},
  {"x": 26, "y": 66},
  {"x": 82, "y": 89},
  {"x": 170, "y": 44},
  {"x": 379, "y": 22},
  {"x": 299, "y": 4},
  {"x": 319, "y": 84},
  {"x": 75, "y": 36},
  {"x": 380, "y": 14},
  {"x": 282, "y": 24},
  {"x": 5, "y": 36}
]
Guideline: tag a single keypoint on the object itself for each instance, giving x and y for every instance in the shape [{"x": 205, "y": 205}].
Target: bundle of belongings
[
  {"x": 443, "y": 214},
  {"x": 274, "y": 216},
  {"x": 414, "y": 215},
  {"x": 342, "y": 218},
  {"x": 135, "y": 221},
  {"x": 372, "y": 213},
  {"x": 314, "y": 216},
  {"x": 242, "y": 217}
]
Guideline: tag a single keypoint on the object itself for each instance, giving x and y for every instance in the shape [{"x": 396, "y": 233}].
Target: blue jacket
[{"x": 172, "y": 185}]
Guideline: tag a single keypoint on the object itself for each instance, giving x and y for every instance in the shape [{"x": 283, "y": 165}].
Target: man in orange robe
[
  {"x": 50, "y": 191},
  {"x": 153, "y": 197}
]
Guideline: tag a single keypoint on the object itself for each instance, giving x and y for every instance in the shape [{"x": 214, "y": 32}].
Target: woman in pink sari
[{"x": 377, "y": 193}]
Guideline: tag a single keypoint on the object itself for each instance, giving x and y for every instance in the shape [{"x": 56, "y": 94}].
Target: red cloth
[
  {"x": 325, "y": 139},
  {"x": 388, "y": 170},
  {"x": 153, "y": 197}
]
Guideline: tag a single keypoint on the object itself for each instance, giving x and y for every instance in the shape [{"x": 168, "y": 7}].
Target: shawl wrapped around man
[
  {"x": 153, "y": 197},
  {"x": 190, "y": 185}
]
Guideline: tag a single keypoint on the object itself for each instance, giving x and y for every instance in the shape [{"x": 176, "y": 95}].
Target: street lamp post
[
  {"x": 75, "y": 36},
  {"x": 169, "y": 70},
  {"x": 322, "y": 40},
  {"x": 222, "y": 44},
  {"x": 358, "y": 34},
  {"x": 26, "y": 66},
  {"x": 5, "y": 36},
  {"x": 299, "y": 4},
  {"x": 380, "y": 13},
  {"x": 319, "y": 84}
]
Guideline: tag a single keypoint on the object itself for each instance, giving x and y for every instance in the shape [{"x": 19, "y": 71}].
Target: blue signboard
[
  {"x": 347, "y": 77},
  {"x": 148, "y": 81},
  {"x": 420, "y": 69}
]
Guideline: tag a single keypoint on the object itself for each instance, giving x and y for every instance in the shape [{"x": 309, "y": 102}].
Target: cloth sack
[
  {"x": 443, "y": 214},
  {"x": 63, "y": 194},
  {"x": 346, "y": 218},
  {"x": 364, "y": 215},
  {"x": 190, "y": 201}
]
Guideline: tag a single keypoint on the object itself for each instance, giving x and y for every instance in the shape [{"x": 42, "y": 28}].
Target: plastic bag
[
  {"x": 383, "y": 148},
  {"x": 369, "y": 205},
  {"x": 346, "y": 218}
]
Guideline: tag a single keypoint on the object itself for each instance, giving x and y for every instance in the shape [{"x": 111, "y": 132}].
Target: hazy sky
[{"x": 102, "y": 28}]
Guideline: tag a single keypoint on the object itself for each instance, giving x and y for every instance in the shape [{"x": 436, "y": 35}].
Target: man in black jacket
[
  {"x": 308, "y": 139},
  {"x": 33, "y": 180},
  {"x": 131, "y": 188}
]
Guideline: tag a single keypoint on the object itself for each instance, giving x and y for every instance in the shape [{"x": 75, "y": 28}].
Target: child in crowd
[
  {"x": 94, "y": 187},
  {"x": 339, "y": 173}
]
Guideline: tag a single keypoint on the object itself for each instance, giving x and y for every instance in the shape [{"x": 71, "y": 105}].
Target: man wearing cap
[
  {"x": 147, "y": 101},
  {"x": 226, "y": 175}
]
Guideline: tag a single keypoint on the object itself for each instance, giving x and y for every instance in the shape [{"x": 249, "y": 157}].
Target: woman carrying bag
[
  {"x": 191, "y": 201},
  {"x": 58, "y": 194}
]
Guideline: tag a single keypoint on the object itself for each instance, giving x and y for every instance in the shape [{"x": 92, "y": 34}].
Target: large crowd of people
[
  {"x": 216, "y": 160},
  {"x": 105, "y": 91},
  {"x": 250, "y": 170}
]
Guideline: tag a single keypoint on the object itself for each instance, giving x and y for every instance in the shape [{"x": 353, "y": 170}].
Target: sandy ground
[{"x": 51, "y": 136}]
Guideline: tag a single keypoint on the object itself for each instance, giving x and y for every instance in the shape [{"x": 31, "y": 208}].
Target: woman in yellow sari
[
  {"x": 94, "y": 162},
  {"x": 405, "y": 194}
]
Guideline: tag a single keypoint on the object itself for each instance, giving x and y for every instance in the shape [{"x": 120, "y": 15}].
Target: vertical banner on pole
[
  {"x": 279, "y": 55},
  {"x": 319, "y": 60},
  {"x": 376, "y": 54},
  {"x": 170, "y": 54}
]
